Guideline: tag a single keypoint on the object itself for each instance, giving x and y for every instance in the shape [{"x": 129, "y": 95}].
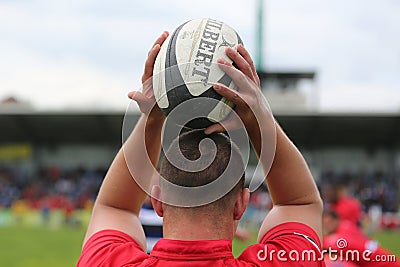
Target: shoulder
[
  {"x": 111, "y": 246},
  {"x": 292, "y": 235},
  {"x": 350, "y": 229},
  {"x": 287, "y": 243}
]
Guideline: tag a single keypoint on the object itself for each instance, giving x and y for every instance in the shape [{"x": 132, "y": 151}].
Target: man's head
[
  {"x": 195, "y": 160},
  {"x": 330, "y": 222},
  {"x": 336, "y": 189},
  {"x": 329, "y": 193}
]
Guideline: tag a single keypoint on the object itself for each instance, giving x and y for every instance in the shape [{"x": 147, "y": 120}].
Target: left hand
[
  {"x": 145, "y": 99},
  {"x": 247, "y": 98}
]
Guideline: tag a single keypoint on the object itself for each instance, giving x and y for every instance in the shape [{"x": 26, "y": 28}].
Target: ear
[
  {"x": 241, "y": 204},
  {"x": 155, "y": 200}
]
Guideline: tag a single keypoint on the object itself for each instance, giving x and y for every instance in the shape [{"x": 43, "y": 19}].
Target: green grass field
[{"x": 59, "y": 245}]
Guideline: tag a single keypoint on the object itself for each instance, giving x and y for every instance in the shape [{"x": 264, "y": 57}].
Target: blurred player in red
[
  {"x": 337, "y": 263},
  {"x": 338, "y": 199},
  {"x": 202, "y": 235},
  {"x": 345, "y": 236}
]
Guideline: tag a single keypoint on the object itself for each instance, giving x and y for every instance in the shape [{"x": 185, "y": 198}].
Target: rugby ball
[{"x": 186, "y": 68}]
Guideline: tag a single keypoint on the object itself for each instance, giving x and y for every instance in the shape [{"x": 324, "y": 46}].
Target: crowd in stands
[
  {"x": 356, "y": 205},
  {"x": 55, "y": 188},
  {"x": 49, "y": 188},
  {"x": 370, "y": 188}
]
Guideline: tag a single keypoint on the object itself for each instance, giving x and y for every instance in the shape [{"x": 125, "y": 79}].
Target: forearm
[
  {"x": 133, "y": 164},
  {"x": 289, "y": 179}
]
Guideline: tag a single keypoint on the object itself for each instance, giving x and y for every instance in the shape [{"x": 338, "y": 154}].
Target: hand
[
  {"x": 145, "y": 99},
  {"x": 244, "y": 62},
  {"x": 248, "y": 99}
]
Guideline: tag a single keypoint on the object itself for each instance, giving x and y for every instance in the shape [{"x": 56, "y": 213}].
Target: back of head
[
  {"x": 330, "y": 221},
  {"x": 201, "y": 171}
]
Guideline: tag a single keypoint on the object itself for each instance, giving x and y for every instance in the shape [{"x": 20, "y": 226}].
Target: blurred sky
[{"x": 90, "y": 53}]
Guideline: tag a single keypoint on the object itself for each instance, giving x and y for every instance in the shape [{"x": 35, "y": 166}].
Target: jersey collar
[{"x": 192, "y": 249}]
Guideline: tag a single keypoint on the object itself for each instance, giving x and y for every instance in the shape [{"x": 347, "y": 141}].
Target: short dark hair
[
  {"x": 211, "y": 162},
  {"x": 331, "y": 213}
]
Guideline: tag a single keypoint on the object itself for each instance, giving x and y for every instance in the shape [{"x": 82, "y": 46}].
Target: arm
[
  {"x": 290, "y": 183},
  {"x": 120, "y": 197},
  {"x": 293, "y": 191}
]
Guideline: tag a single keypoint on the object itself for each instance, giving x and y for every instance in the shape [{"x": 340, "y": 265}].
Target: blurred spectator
[
  {"x": 51, "y": 188},
  {"x": 374, "y": 194},
  {"x": 351, "y": 245},
  {"x": 338, "y": 198}
]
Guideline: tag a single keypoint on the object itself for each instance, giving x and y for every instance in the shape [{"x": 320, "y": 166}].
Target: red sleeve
[
  {"x": 287, "y": 244},
  {"x": 111, "y": 248}
]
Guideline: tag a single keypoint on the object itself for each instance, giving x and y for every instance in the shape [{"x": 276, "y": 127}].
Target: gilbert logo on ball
[{"x": 185, "y": 69}]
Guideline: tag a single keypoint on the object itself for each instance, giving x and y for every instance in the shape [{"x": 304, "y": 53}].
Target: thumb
[
  {"x": 137, "y": 96},
  {"x": 130, "y": 94},
  {"x": 215, "y": 128}
]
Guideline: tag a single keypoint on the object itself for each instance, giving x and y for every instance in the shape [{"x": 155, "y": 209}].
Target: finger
[
  {"x": 240, "y": 62},
  {"x": 151, "y": 56},
  {"x": 246, "y": 55},
  {"x": 230, "y": 94},
  {"x": 160, "y": 40},
  {"x": 215, "y": 128},
  {"x": 149, "y": 64},
  {"x": 238, "y": 77},
  {"x": 229, "y": 123},
  {"x": 130, "y": 94},
  {"x": 137, "y": 96}
]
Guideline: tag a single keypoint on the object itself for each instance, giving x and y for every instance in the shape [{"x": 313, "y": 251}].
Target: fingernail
[
  {"x": 222, "y": 61},
  {"x": 232, "y": 49},
  {"x": 217, "y": 86}
]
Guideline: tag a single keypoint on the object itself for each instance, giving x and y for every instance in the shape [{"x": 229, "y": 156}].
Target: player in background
[
  {"x": 202, "y": 236},
  {"x": 344, "y": 235},
  {"x": 337, "y": 198}
]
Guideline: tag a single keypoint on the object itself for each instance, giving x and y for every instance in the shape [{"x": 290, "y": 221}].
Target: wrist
[
  {"x": 154, "y": 121},
  {"x": 259, "y": 116},
  {"x": 260, "y": 127}
]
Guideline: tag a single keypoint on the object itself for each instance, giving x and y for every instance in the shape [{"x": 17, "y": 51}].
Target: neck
[{"x": 197, "y": 227}]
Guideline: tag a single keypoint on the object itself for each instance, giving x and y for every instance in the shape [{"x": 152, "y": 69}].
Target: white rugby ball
[{"x": 186, "y": 68}]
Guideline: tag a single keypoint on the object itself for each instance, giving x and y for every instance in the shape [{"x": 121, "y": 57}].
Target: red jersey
[
  {"x": 288, "y": 244},
  {"x": 337, "y": 263},
  {"x": 348, "y": 208},
  {"x": 352, "y": 245}
]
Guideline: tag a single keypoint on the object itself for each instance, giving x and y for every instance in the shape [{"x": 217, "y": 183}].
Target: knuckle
[
  {"x": 242, "y": 79},
  {"x": 248, "y": 69},
  {"x": 235, "y": 53},
  {"x": 249, "y": 59}
]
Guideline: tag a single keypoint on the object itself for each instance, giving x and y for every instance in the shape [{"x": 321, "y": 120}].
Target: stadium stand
[{"x": 58, "y": 159}]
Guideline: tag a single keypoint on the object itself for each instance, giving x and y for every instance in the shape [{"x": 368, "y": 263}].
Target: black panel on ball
[{"x": 195, "y": 114}]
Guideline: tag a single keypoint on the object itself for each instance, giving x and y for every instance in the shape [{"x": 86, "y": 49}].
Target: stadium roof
[
  {"x": 282, "y": 75},
  {"x": 310, "y": 130}
]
